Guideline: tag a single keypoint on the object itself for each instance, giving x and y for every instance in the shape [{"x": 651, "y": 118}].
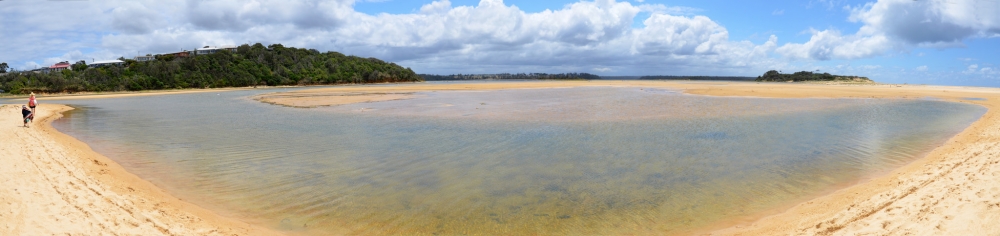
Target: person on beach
[
  {"x": 27, "y": 115},
  {"x": 32, "y": 103}
]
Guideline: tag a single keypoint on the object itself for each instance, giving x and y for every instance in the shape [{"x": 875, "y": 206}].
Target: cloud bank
[
  {"x": 898, "y": 25},
  {"x": 589, "y": 36},
  {"x": 604, "y": 36}
]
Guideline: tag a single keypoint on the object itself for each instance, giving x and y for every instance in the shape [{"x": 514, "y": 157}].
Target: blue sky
[{"x": 949, "y": 42}]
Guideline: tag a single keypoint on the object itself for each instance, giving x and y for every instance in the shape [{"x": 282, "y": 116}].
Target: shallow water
[{"x": 569, "y": 161}]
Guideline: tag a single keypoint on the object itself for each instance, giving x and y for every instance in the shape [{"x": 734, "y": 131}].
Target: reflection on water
[{"x": 567, "y": 161}]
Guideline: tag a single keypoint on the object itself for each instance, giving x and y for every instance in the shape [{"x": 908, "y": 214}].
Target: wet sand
[
  {"x": 954, "y": 190},
  {"x": 55, "y": 184},
  {"x": 52, "y": 184}
]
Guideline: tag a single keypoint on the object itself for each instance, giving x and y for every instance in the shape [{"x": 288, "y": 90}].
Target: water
[{"x": 569, "y": 161}]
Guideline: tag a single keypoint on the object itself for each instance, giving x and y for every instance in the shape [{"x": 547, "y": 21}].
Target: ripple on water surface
[{"x": 567, "y": 161}]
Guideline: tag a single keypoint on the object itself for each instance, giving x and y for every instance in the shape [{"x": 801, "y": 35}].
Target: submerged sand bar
[
  {"x": 955, "y": 189},
  {"x": 54, "y": 184}
]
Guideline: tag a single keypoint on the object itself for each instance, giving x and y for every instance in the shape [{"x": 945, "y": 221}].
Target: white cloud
[
  {"x": 831, "y": 44},
  {"x": 922, "y": 68},
  {"x": 778, "y": 12},
  {"x": 972, "y": 68},
  {"x": 440, "y": 37},
  {"x": 895, "y": 25}
]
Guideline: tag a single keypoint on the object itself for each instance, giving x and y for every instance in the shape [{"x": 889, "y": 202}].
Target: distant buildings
[
  {"x": 106, "y": 63},
  {"x": 209, "y": 50},
  {"x": 57, "y": 67},
  {"x": 185, "y": 53},
  {"x": 145, "y": 58}
]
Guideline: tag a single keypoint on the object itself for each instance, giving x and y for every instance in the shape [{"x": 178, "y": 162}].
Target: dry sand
[
  {"x": 954, "y": 190},
  {"x": 54, "y": 184}
]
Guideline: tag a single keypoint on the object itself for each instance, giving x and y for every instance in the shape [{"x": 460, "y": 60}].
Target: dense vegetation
[
  {"x": 248, "y": 66},
  {"x": 521, "y": 76},
  {"x": 775, "y": 76},
  {"x": 671, "y": 77}
]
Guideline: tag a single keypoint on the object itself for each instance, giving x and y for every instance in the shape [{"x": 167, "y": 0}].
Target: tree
[
  {"x": 3, "y": 67},
  {"x": 79, "y": 66}
]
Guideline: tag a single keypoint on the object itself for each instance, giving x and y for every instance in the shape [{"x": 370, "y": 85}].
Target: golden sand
[{"x": 54, "y": 184}]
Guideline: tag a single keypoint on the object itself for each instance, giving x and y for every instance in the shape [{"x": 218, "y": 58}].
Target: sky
[{"x": 945, "y": 42}]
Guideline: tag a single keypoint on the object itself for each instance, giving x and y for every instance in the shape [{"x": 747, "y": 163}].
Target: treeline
[
  {"x": 508, "y": 76},
  {"x": 671, "y": 77},
  {"x": 248, "y": 66},
  {"x": 775, "y": 76}
]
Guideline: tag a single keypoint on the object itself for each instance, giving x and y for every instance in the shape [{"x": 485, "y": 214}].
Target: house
[
  {"x": 209, "y": 49},
  {"x": 57, "y": 67},
  {"x": 206, "y": 50},
  {"x": 229, "y": 47},
  {"x": 147, "y": 57},
  {"x": 106, "y": 63},
  {"x": 184, "y": 53}
]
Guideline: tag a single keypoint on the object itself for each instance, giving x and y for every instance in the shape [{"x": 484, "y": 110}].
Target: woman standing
[{"x": 32, "y": 103}]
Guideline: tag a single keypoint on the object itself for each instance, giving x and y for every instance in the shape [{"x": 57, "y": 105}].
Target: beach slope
[{"x": 52, "y": 184}]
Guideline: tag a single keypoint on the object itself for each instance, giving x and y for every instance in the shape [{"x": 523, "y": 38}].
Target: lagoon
[{"x": 560, "y": 161}]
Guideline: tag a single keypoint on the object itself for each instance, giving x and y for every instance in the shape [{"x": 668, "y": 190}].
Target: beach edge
[{"x": 58, "y": 184}]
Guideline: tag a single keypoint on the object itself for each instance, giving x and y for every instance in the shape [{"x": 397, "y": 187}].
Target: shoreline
[
  {"x": 55, "y": 184},
  {"x": 900, "y": 197}
]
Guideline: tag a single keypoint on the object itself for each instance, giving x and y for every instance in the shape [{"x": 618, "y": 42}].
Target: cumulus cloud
[
  {"x": 134, "y": 18},
  {"x": 922, "y": 68},
  {"x": 894, "y": 25},
  {"x": 490, "y": 37},
  {"x": 831, "y": 44}
]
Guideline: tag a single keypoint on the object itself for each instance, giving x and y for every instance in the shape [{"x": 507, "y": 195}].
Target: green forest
[
  {"x": 250, "y": 65},
  {"x": 775, "y": 76}
]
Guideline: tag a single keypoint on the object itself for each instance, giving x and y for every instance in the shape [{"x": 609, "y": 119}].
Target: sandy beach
[{"x": 55, "y": 184}]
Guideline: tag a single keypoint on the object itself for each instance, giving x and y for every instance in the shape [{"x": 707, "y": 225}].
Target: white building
[
  {"x": 209, "y": 50},
  {"x": 106, "y": 63},
  {"x": 145, "y": 58}
]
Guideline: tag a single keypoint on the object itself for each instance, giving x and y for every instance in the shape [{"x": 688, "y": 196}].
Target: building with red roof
[{"x": 58, "y": 67}]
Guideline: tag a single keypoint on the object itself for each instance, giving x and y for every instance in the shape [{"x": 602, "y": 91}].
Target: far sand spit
[{"x": 55, "y": 184}]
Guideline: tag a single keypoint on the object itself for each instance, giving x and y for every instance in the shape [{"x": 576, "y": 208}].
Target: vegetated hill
[
  {"x": 775, "y": 76},
  {"x": 248, "y": 66},
  {"x": 720, "y": 78},
  {"x": 508, "y": 76}
]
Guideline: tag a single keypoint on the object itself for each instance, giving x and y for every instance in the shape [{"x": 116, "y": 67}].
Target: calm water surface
[{"x": 567, "y": 161}]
